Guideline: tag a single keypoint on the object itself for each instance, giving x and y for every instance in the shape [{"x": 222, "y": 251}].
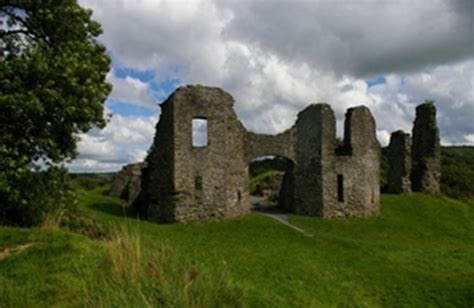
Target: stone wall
[
  {"x": 184, "y": 183},
  {"x": 416, "y": 165},
  {"x": 155, "y": 201},
  {"x": 200, "y": 182},
  {"x": 127, "y": 182},
  {"x": 259, "y": 145},
  {"x": 315, "y": 131},
  {"x": 399, "y": 156},
  {"x": 426, "y": 151},
  {"x": 355, "y": 185}
]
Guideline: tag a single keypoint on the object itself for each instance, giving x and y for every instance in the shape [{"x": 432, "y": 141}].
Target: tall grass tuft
[
  {"x": 52, "y": 220},
  {"x": 131, "y": 278}
]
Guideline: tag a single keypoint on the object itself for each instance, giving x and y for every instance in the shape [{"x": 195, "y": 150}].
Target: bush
[
  {"x": 457, "y": 181},
  {"x": 34, "y": 196},
  {"x": 457, "y": 172}
]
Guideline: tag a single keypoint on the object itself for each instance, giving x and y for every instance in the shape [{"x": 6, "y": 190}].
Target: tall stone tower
[
  {"x": 185, "y": 181},
  {"x": 357, "y": 167},
  {"x": 399, "y": 156},
  {"x": 426, "y": 151}
]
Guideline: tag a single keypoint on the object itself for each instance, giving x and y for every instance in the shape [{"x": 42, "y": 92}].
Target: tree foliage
[
  {"x": 52, "y": 87},
  {"x": 457, "y": 172}
]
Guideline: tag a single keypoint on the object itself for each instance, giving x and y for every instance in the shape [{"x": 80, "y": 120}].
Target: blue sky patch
[
  {"x": 375, "y": 81},
  {"x": 123, "y": 72},
  {"x": 127, "y": 109},
  {"x": 166, "y": 87}
]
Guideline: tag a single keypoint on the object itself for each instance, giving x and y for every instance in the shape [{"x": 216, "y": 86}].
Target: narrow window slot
[{"x": 340, "y": 188}]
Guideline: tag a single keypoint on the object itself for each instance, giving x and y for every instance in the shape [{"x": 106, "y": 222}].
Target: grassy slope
[
  {"x": 418, "y": 253},
  {"x": 52, "y": 271}
]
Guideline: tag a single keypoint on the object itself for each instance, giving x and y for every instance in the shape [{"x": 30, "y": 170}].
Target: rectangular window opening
[
  {"x": 199, "y": 132},
  {"x": 340, "y": 188},
  {"x": 198, "y": 183}
]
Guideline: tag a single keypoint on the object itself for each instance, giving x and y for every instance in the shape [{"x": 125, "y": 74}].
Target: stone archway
[
  {"x": 271, "y": 182},
  {"x": 186, "y": 182}
]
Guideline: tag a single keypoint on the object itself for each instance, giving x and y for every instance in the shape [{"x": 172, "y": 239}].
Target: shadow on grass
[{"x": 114, "y": 209}]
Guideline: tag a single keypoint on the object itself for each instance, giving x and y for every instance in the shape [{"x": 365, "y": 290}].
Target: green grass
[
  {"x": 419, "y": 252},
  {"x": 51, "y": 271}
]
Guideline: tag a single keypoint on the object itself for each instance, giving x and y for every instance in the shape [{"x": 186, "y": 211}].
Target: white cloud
[
  {"x": 356, "y": 37},
  {"x": 131, "y": 90},
  {"x": 384, "y": 137},
  {"x": 124, "y": 140},
  {"x": 130, "y": 130},
  {"x": 276, "y": 57},
  {"x": 450, "y": 86}
]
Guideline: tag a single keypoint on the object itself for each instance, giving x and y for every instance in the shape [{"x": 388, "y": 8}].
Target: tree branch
[
  {"x": 27, "y": 30},
  {"x": 4, "y": 33}
]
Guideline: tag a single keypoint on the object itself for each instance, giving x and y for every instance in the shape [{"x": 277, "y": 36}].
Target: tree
[{"x": 52, "y": 87}]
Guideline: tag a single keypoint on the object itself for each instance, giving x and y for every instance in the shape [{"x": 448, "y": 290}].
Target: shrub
[
  {"x": 34, "y": 196},
  {"x": 457, "y": 172}
]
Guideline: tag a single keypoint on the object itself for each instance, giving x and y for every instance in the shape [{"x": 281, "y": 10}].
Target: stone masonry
[
  {"x": 127, "y": 182},
  {"x": 184, "y": 183},
  {"x": 399, "y": 152},
  {"x": 426, "y": 151},
  {"x": 416, "y": 166}
]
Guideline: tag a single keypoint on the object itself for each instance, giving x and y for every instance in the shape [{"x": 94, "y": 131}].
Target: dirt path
[
  {"x": 12, "y": 250},
  {"x": 267, "y": 208}
]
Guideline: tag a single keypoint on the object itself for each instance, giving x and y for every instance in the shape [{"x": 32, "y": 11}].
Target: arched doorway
[{"x": 271, "y": 183}]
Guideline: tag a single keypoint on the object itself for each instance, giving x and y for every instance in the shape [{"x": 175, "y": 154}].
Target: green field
[{"x": 419, "y": 252}]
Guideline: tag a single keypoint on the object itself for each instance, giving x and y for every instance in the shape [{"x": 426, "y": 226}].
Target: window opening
[
  {"x": 340, "y": 188},
  {"x": 198, "y": 183},
  {"x": 199, "y": 132}
]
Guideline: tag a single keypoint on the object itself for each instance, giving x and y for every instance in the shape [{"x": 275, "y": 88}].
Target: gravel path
[{"x": 267, "y": 208}]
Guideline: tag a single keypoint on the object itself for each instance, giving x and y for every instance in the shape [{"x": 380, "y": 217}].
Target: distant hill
[
  {"x": 99, "y": 177},
  {"x": 89, "y": 181}
]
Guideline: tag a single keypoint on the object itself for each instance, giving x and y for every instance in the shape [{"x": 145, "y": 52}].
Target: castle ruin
[
  {"x": 415, "y": 165},
  {"x": 126, "y": 183},
  {"x": 185, "y": 182}
]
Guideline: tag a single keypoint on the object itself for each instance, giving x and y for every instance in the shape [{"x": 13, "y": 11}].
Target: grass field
[{"x": 418, "y": 253}]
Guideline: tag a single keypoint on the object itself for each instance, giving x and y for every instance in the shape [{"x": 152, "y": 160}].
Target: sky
[{"x": 277, "y": 57}]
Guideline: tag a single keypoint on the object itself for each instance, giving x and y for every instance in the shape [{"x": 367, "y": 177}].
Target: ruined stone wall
[
  {"x": 287, "y": 189},
  {"x": 264, "y": 145},
  {"x": 204, "y": 182},
  {"x": 399, "y": 156},
  {"x": 119, "y": 183},
  {"x": 416, "y": 165},
  {"x": 155, "y": 201},
  {"x": 313, "y": 139},
  {"x": 426, "y": 151},
  {"x": 127, "y": 182},
  {"x": 282, "y": 145},
  {"x": 185, "y": 183},
  {"x": 355, "y": 184}
]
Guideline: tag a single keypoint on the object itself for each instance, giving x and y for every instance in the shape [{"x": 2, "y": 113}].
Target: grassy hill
[{"x": 417, "y": 253}]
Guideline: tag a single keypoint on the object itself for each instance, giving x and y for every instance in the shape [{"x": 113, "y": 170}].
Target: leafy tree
[{"x": 52, "y": 87}]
